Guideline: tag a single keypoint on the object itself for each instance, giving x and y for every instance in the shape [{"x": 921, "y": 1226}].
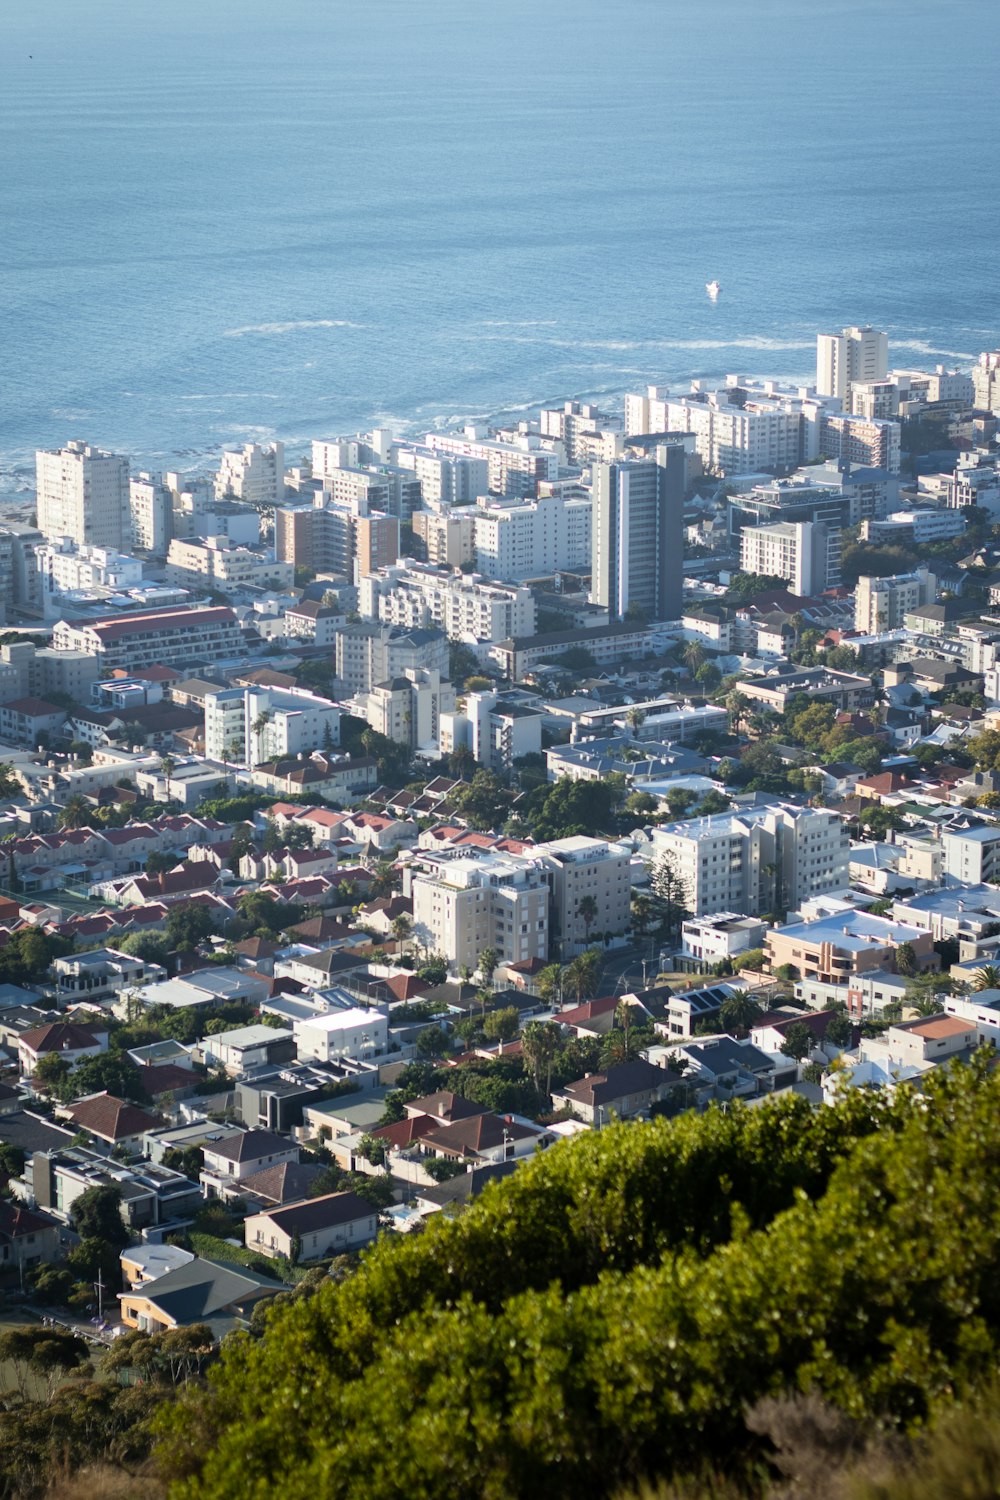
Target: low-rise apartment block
[{"x": 464, "y": 906}]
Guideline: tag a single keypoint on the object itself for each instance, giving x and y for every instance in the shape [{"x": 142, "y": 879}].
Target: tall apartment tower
[
  {"x": 83, "y": 493},
  {"x": 852, "y": 356},
  {"x": 637, "y": 537}
]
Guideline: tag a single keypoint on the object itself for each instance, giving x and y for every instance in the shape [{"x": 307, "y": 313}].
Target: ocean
[{"x": 225, "y": 220}]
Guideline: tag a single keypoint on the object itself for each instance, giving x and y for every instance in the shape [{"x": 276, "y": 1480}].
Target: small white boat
[{"x": 713, "y": 289}]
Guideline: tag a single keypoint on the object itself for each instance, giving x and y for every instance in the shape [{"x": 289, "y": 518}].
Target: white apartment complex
[
  {"x": 448, "y": 537},
  {"x": 853, "y": 356},
  {"x": 595, "y": 874},
  {"x": 169, "y": 637},
  {"x": 446, "y": 479},
  {"x": 83, "y": 493},
  {"x": 731, "y": 435},
  {"x": 251, "y": 726},
  {"x": 514, "y": 468},
  {"x": 216, "y": 563},
  {"x": 463, "y": 906},
  {"x": 496, "y": 734},
  {"x": 868, "y": 444},
  {"x": 253, "y": 473},
  {"x": 799, "y": 551},
  {"x": 985, "y": 383},
  {"x": 67, "y": 568},
  {"x": 756, "y": 860},
  {"x": 409, "y": 708},
  {"x": 465, "y": 608},
  {"x": 531, "y": 538},
  {"x": 881, "y": 603},
  {"x": 151, "y": 511}
]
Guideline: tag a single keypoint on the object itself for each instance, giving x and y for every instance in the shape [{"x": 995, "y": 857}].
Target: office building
[
  {"x": 802, "y": 552},
  {"x": 637, "y": 535},
  {"x": 83, "y": 493},
  {"x": 853, "y": 356},
  {"x": 881, "y": 603}
]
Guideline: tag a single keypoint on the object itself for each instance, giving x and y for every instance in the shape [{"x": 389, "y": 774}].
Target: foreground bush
[{"x": 611, "y": 1311}]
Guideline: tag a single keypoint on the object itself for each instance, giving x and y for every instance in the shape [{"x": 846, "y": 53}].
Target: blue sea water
[{"x": 232, "y": 219}]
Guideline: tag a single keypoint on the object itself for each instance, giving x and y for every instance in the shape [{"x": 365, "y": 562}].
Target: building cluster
[{"x": 428, "y": 749}]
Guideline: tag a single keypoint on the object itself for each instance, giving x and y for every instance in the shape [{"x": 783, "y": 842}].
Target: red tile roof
[{"x": 110, "y": 1118}]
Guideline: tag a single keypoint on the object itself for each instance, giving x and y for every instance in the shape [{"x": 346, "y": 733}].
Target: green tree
[
  {"x": 188, "y": 924},
  {"x": 987, "y": 977},
  {"x": 582, "y": 975},
  {"x": 839, "y": 1031},
  {"x": 549, "y": 984},
  {"x": 738, "y": 1013},
  {"x": 906, "y": 959},
  {"x": 798, "y": 1041},
  {"x": 502, "y": 1025},
  {"x": 96, "y": 1214},
  {"x": 670, "y": 894},
  {"x": 540, "y": 1042},
  {"x": 489, "y": 960},
  {"x": 587, "y": 910}
]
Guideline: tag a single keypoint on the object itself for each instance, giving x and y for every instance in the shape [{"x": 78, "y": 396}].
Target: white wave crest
[{"x": 276, "y": 329}]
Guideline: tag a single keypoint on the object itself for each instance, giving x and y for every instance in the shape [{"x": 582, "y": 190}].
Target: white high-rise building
[
  {"x": 986, "y": 382},
  {"x": 757, "y": 860},
  {"x": 255, "y": 725},
  {"x": 881, "y": 603},
  {"x": 151, "y": 507},
  {"x": 798, "y": 551},
  {"x": 518, "y": 539},
  {"x": 465, "y": 608},
  {"x": 467, "y": 905},
  {"x": 254, "y": 474},
  {"x": 83, "y": 494},
  {"x": 855, "y": 355}
]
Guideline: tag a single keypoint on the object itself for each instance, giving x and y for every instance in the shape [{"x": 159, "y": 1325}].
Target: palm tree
[
  {"x": 583, "y": 973},
  {"x": 258, "y": 726},
  {"x": 588, "y": 910},
  {"x": 401, "y": 929},
  {"x": 540, "y": 1043},
  {"x": 737, "y": 706},
  {"x": 635, "y": 718},
  {"x": 549, "y": 985},
  {"x": 167, "y": 765},
  {"x": 694, "y": 656},
  {"x": 76, "y": 813},
  {"x": 986, "y": 978}
]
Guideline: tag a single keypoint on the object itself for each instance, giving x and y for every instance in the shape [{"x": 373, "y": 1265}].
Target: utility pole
[{"x": 99, "y": 1288}]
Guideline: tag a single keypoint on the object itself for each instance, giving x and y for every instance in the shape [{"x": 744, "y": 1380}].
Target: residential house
[
  {"x": 230, "y": 1160},
  {"x": 113, "y": 1121},
  {"x": 27, "y": 1239},
  {"x": 312, "y": 1228},
  {"x": 69, "y": 1040},
  {"x": 202, "y": 1291},
  {"x": 620, "y": 1093}
]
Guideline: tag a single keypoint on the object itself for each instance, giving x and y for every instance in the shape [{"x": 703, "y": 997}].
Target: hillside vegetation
[{"x": 610, "y": 1314}]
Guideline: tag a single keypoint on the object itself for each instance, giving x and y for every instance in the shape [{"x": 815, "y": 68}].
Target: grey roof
[
  {"x": 321, "y": 1213},
  {"x": 250, "y": 1145},
  {"x": 31, "y": 1133},
  {"x": 204, "y": 1288}
]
